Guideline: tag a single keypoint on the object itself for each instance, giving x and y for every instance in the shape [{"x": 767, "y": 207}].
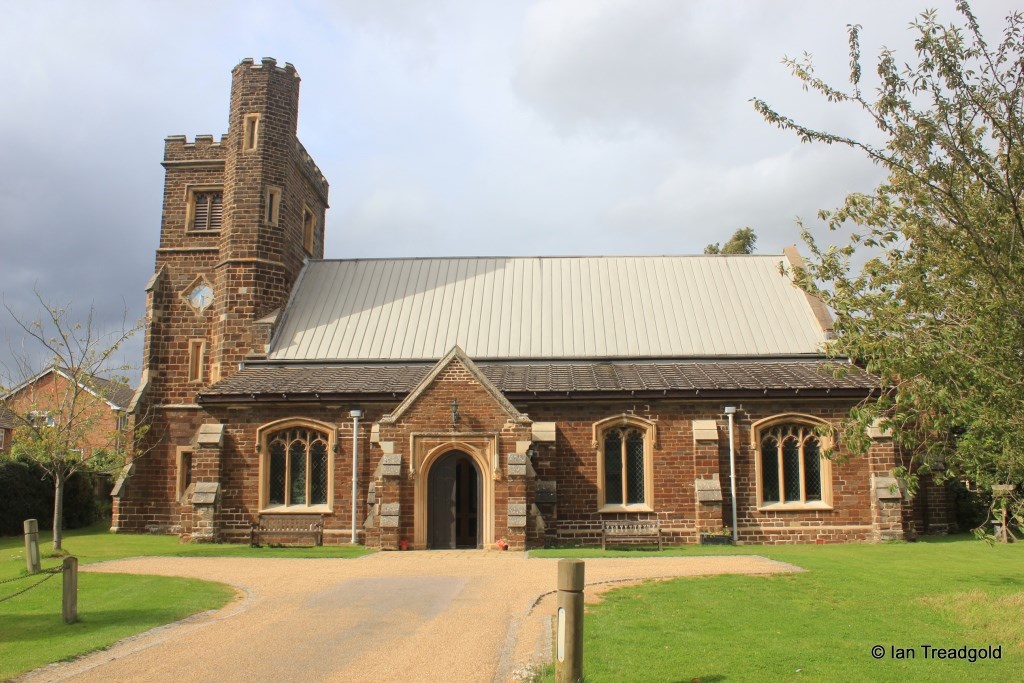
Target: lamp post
[
  {"x": 355, "y": 415},
  {"x": 730, "y": 411}
]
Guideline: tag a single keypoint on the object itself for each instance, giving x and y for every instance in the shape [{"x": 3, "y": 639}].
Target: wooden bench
[
  {"x": 631, "y": 531},
  {"x": 288, "y": 526}
]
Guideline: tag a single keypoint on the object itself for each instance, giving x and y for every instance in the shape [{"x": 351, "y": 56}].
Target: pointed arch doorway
[{"x": 454, "y": 502}]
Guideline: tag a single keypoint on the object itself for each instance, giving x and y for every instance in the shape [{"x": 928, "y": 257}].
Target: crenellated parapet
[
  {"x": 177, "y": 148},
  {"x": 305, "y": 162},
  {"x": 267, "y": 63}
]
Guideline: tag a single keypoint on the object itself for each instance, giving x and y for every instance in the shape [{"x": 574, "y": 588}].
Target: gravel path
[{"x": 424, "y": 616}]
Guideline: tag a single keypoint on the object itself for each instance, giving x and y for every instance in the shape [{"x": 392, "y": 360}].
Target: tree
[
  {"x": 67, "y": 426},
  {"x": 928, "y": 288},
  {"x": 741, "y": 242}
]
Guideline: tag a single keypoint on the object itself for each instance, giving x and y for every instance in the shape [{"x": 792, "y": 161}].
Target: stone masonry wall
[{"x": 250, "y": 264}]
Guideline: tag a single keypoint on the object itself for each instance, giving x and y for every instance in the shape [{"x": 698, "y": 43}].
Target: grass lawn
[
  {"x": 820, "y": 625},
  {"x": 110, "y": 606}
]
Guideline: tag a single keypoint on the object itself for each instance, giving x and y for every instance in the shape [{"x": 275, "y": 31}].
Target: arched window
[
  {"x": 625, "y": 480},
  {"x": 296, "y": 467},
  {"x": 792, "y": 472}
]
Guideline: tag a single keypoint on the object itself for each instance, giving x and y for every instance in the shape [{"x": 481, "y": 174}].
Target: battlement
[
  {"x": 203, "y": 147},
  {"x": 266, "y": 63},
  {"x": 306, "y": 163}
]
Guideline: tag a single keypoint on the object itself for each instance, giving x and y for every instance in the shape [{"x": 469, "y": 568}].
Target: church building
[{"x": 469, "y": 402}]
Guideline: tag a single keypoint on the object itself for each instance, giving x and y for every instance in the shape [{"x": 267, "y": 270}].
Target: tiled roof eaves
[{"x": 555, "y": 380}]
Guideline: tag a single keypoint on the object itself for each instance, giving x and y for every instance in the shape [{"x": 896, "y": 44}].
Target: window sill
[
  {"x": 793, "y": 507},
  {"x": 296, "y": 510},
  {"x": 203, "y": 232},
  {"x": 625, "y": 508}
]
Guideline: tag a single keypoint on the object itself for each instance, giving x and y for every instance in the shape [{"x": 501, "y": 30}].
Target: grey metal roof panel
[
  {"x": 547, "y": 307},
  {"x": 555, "y": 377}
]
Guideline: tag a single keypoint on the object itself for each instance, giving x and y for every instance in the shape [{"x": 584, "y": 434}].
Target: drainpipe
[
  {"x": 355, "y": 415},
  {"x": 730, "y": 411}
]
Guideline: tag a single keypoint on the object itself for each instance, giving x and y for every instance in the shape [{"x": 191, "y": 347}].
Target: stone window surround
[
  {"x": 196, "y": 360},
  {"x": 250, "y": 132},
  {"x": 183, "y": 474},
  {"x": 758, "y": 429},
  {"x": 649, "y": 430},
  {"x": 190, "y": 207},
  {"x": 265, "y": 433},
  {"x": 272, "y": 205},
  {"x": 308, "y": 229}
]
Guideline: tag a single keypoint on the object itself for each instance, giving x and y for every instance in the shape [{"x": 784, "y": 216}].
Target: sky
[{"x": 445, "y": 128}]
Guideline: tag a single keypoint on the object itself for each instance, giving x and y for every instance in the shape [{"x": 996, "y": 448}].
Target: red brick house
[
  {"x": 8, "y": 423},
  {"x": 456, "y": 402},
  {"x": 103, "y": 405}
]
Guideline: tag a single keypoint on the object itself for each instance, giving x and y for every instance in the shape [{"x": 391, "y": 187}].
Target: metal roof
[
  {"x": 579, "y": 378},
  {"x": 547, "y": 307}
]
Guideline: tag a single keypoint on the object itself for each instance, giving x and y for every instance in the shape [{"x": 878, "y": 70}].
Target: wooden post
[
  {"x": 569, "y": 636},
  {"x": 70, "y": 601},
  {"x": 32, "y": 546}
]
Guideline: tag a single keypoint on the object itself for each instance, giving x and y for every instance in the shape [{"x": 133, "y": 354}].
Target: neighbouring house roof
[
  {"x": 116, "y": 394},
  {"x": 613, "y": 307},
  {"x": 578, "y": 378}
]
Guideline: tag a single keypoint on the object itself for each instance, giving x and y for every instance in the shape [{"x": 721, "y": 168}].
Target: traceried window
[
  {"x": 791, "y": 467},
  {"x": 623, "y": 467},
  {"x": 624, "y": 464},
  {"x": 207, "y": 210},
  {"x": 297, "y": 471}
]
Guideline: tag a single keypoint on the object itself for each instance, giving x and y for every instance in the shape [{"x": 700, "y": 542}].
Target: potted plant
[{"x": 721, "y": 536}]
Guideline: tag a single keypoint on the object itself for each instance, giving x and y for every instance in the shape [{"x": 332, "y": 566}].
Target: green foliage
[
  {"x": 28, "y": 494},
  {"x": 928, "y": 291},
  {"x": 66, "y": 427},
  {"x": 743, "y": 241}
]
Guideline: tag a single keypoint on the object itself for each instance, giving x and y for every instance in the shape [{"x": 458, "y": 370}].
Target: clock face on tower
[{"x": 201, "y": 296}]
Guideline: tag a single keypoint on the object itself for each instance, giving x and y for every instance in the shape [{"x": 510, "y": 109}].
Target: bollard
[
  {"x": 569, "y": 636},
  {"x": 32, "y": 546},
  {"x": 69, "y": 605}
]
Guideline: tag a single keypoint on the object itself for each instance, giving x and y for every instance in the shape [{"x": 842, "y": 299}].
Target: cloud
[
  {"x": 699, "y": 204},
  {"x": 614, "y": 65},
  {"x": 402, "y": 216}
]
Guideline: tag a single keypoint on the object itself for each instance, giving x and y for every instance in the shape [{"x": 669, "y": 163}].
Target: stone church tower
[{"x": 240, "y": 217}]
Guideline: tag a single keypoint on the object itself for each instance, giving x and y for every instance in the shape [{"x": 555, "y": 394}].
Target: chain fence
[{"x": 49, "y": 574}]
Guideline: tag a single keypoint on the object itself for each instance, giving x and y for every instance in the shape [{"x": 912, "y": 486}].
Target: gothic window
[
  {"x": 296, "y": 473},
  {"x": 206, "y": 210},
  {"x": 624, "y": 464},
  {"x": 791, "y": 468}
]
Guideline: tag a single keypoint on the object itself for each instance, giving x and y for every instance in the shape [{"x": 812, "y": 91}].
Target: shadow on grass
[{"x": 33, "y": 627}]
